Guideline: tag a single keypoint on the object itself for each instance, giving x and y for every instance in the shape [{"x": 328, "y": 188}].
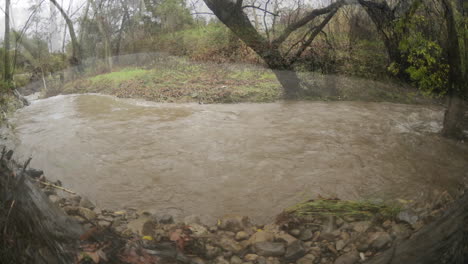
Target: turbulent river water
[{"x": 250, "y": 159}]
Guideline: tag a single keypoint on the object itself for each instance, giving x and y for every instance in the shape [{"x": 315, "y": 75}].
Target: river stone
[
  {"x": 272, "y": 260},
  {"x": 348, "y": 258},
  {"x": 55, "y": 199},
  {"x": 144, "y": 226},
  {"x": 283, "y": 236},
  {"x": 87, "y": 213},
  {"x": 295, "y": 251},
  {"x": 295, "y": 232},
  {"x": 241, "y": 235},
  {"x": 221, "y": 260},
  {"x": 361, "y": 226},
  {"x": 166, "y": 219},
  {"x": 379, "y": 240},
  {"x": 86, "y": 203},
  {"x": 340, "y": 244},
  {"x": 251, "y": 257},
  {"x": 192, "y": 219},
  {"x": 198, "y": 230},
  {"x": 234, "y": 223},
  {"x": 269, "y": 249},
  {"x": 306, "y": 234},
  {"x": 400, "y": 231},
  {"x": 408, "y": 216},
  {"x": 261, "y": 236},
  {"x": 229, "y": 244},
  {"x": 235, "y": 260},
  {"x": 211, "y": 251},
  {"x": 307, "y": 259},
  {"x": 198, "y": 260},
  {"x": 261, "y": 260}
]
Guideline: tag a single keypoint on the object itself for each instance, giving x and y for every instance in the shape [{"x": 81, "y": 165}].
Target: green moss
[{"x": 119, "y": 76}]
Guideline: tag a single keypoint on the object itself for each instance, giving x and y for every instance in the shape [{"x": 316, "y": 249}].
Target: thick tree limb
[
  {"x": 313, "y": 35},
  {"x": 306, "y": 19}
]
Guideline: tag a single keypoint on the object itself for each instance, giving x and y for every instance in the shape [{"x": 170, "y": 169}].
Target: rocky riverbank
[{"x": 150, "y": 238}]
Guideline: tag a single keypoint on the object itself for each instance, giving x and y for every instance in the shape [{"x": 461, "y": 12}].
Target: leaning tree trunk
[
  {"x": 453, "y": 121},
  {"x": 76, "y": 58},
  {"x": 441, "y": 242},
  {"x": 7, "y": 76},
  {"x": 43, "y": 232}
]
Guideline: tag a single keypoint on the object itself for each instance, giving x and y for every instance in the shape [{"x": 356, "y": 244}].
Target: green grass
[
  {"x": 356, "y": 209},
  {"x": 120, "y": 76}
]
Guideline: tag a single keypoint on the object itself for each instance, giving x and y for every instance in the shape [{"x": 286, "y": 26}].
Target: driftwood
[
  {"x": 442, "y": 241},
  {"x": 33, "y": 214}
]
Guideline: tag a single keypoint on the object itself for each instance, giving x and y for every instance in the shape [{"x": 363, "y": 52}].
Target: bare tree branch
[
  {"x": 259, "y": 8},
  {"x": 313, "y": 35},
  {"x": 309, "y": 17}
]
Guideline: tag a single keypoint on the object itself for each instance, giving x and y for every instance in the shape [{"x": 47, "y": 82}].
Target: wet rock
[
  {"x": 229, "y": 244},
  {"x": 235, "y": 260},
  {"x": 166, "y": 219},
  {"x": 212, "y": 252},
  {"x": 198, "y": 260},
  {"x": 272, "y": 260},
  {"x": 400, "y": 231},
  {"x": 85, "y": 203},
  {"x": 379, "y": 240},
  {"x": 261, "y": 236},
  {"x": 348, "y": 258},
  {"x": 307, "y": 259},
  {"x": 283, "y": 236},
  {"x": 330, "y": 236},
  {"x": 269, "y": 249},
  {"x": 55, "y": 199},
  {"x": 35, "y": 174},
  {"x": 251, "y": 257},
  {"x": 361, "y": 226},
  {"x": 87, "y": 213},
  {"x": 387, "y": 224},
  {"x": 192, "y": 219},
  {"x": 234, "y": 223},
  {"x": 121, "y": 213},
  {"x": 408, "y": 216},
  {"x": 241, "y": 235},
  {"x": 143, "y": 226},
  {"x": 213, "y": 229},
  {"x": 295, "y": 232},
  {"x": 306, "y": 234},
  {"x": 75, "y": 199},
  {"x": 221, "y": 260},
  {"x": 295, "y": 251},
  {"x": 198, "y": 230},
  {"x": 340, "y": 244},
  {"x": 261, "y": 260}
]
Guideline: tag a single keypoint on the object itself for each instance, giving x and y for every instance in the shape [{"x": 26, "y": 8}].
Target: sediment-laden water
[{"x": 251, "y": 159}]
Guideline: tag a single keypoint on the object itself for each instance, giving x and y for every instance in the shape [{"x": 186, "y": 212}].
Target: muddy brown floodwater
[{"x": 251, "y": 159}]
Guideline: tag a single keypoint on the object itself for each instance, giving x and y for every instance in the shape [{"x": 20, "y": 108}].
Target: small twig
[
  {"x": 3, "y": 152},
  {"x": 8, "y": 216},
  {"x": 56, "y": 187},
  {"x": 26, "y": 164},
  {"x": 259, "y": 8}
]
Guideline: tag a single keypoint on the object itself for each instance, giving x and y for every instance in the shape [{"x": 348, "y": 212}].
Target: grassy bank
[{"x": 177, "y": 79}]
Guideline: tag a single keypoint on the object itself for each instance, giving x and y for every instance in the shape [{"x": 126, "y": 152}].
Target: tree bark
[
  {"x": 442, "y": 241},
  {"x": 453, "y": 121},
  {"x": 7, "y": 74},
  {"x": 76, "y": 58}
]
